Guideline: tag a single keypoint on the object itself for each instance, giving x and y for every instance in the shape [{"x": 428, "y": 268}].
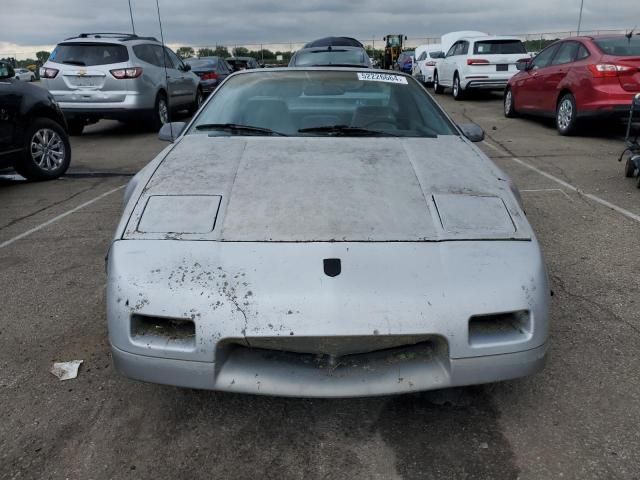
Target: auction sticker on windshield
[{"x": 382, "y": 77}]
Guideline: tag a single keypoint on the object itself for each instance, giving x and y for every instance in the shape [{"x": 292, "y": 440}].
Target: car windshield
[
  {"x": 620, "y": 46},
  {"x": 499, "y": 47},
  {"x": 201, "y": 63},
  {"x": 88, "y": 54},
  {"x": 322, "y": 103},
  {"x": 333, "y": 57}
]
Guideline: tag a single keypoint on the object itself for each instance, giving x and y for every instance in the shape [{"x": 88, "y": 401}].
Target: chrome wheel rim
[
  {"x": 163, "y": 111},
  {"x": 199, "y": 99},
  {"x": 47, "y": 149},
  {"x": 435, "y": 81},
  {"x": 456, "y": 86},
  {"x": 565, "y": 114},
  {"x": 507, "y": 102}
]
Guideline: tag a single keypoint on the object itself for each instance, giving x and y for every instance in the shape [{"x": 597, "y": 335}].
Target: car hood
[{"x": 324, "y": 189}]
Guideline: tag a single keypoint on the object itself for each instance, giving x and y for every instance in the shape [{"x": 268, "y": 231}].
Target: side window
[
  {"x": 582, "y": 52},
  {"x": 145, "y": 53},
  {"x": 463, "y": 49},
  {"x": 158, "y": 58},
  {"x": 566, "y": 53},
  {"x": 544, "y": 58},
  {"x": 451, "y": 51},
  {"x": 172, "y": 60}
]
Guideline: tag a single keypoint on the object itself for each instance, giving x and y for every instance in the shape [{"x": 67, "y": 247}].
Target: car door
[
  {"x": 554, "y": 74},
  {"x": 10, "y": 101},
  {"x": 529, "y": 85},
  {"x": 445, "y": 71},
  {"x": 179, "y": 86}
]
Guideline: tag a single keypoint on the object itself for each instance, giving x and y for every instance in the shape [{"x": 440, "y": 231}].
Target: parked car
[
  {"x": 33, "y": 131},
  {"x": 242, "y": 63},
  {"x": 338, "y": 55},
  {"x": 25, "y": 75},
  {"x": 481, "y": 63},
  {"x": 427, "y": 57},
  {"x": 576, "y": 79},
  {"x": 334, "y": 42},
  {"x": 118, "y": 76},
  {"x": 324, "y": 232},
  {"x": 404, "y": 63},
  {"x": 211, "y": 70}
]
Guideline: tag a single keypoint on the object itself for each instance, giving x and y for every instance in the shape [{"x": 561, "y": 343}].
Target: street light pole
[{"x": 580, "y": 17}]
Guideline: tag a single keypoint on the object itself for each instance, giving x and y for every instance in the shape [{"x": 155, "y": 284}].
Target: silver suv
[{"x": 118, "y": 76}]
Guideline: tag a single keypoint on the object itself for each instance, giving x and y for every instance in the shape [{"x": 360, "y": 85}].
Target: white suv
[{"x": 482, "y": 63}]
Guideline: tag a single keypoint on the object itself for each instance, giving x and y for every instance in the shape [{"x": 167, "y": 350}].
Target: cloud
[{"x": 29, "y": 24}]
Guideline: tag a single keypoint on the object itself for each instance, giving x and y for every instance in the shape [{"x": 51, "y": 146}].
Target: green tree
[
  {"x": 185, "y": 52},
  {"x": 221, "y": 51},
  {"x": 206, "y": 52},
  {"x": 241, "y": 52},
  {"x": 42, "y": 56}
]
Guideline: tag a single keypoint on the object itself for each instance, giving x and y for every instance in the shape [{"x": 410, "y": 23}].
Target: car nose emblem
[{"x": 332, "y": 267}]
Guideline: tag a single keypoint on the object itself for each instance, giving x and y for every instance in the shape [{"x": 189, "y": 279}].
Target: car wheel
[
  {"x": 47, "y": 152},
  {"x": 566, "y": 115},
  {"x": 509, "y": 105},
  {"x": 629, "y": 168},
  {"x": 160, "y": 112},
  {"x": 436, "y": 84},
  {"x": 457, "y": 91},
  {"x": 197, "y": 103},
  {"x": 75, "y": 127}
]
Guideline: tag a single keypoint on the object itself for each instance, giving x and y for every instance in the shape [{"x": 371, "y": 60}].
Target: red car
[{"x": 577, "y": 78}]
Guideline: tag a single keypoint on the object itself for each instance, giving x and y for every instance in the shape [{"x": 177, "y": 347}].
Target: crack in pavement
[
  {"x": 562, "y": 287},
  {"x": 43, "y": 209}
]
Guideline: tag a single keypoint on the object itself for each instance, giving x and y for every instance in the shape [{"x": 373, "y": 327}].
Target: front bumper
[
  {"x": 266, "y": 319},
  {"x": 255, "y": 373}
]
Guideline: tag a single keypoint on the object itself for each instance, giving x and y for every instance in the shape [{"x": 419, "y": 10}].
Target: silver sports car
[{"x": 324, "y": 232}]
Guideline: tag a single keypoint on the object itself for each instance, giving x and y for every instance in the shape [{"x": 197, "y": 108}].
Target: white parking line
[
  {"x": 566, "y": 185},
  {"x": 59, "y": 217}
]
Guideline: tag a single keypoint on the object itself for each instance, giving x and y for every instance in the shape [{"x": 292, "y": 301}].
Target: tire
[
  {"x": 629, "y": 168},
  {"x": 456, "y": 89},
  {"x": 566, "y": 115},
  {"x": 509, "y": 104},
  {"x": 437, "y": 88},
  {"x": 75, "y": 127},
  {"x": 47, "y": 152},
  {"x": 197, "y": 103},
  {"x": 160, "y": 114}
]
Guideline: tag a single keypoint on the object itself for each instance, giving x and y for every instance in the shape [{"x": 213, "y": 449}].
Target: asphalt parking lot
[{"x": 576, "y": 419}]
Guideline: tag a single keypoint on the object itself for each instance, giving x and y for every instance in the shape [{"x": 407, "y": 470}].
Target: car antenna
[
  {"x": 133, "y": 27},
  {"x": 630, "y": 34},
  {"x": 166, "y": 75}
]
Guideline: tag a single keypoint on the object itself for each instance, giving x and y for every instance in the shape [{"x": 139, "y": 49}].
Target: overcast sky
[{"x": 28, "y": 25}]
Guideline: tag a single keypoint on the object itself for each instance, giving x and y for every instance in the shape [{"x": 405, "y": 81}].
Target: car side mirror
[
  {"x": 186, "y": 67},
  {"x": 636, "y": 100},
  {"x": 472, "y": 131},
  {"x": 170, "y": 131},
  {"x": 522, "y": 65},
  {"x": 6, "y": 71}
]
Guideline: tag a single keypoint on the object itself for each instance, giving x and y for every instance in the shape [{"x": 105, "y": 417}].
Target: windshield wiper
[
  {"x": 345, "y": 130},
  {"x": 234, "y": 127},
  {"x": 75, "y": 62}
]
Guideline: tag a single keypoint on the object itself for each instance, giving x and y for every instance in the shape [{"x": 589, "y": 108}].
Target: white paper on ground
[{"x": 66, "y": 370}]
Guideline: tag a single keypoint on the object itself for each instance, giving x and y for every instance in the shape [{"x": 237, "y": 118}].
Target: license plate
[
  {"x": 502, "y": 68},
  {"x": 85, "y": 81}
]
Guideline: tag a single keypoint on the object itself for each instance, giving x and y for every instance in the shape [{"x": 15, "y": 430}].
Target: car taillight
[
  {"x": 209, "y": 76},
  {"x": 604, "y": 70},
  {"x": 430, "y": 64},
  {"x": 48, "y": 72},
  {"x": 123, "y": 73},
  {"x": 477, "y": 61}
]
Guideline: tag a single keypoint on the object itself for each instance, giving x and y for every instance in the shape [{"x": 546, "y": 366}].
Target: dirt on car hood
[{"x": 272, "y": 189}]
